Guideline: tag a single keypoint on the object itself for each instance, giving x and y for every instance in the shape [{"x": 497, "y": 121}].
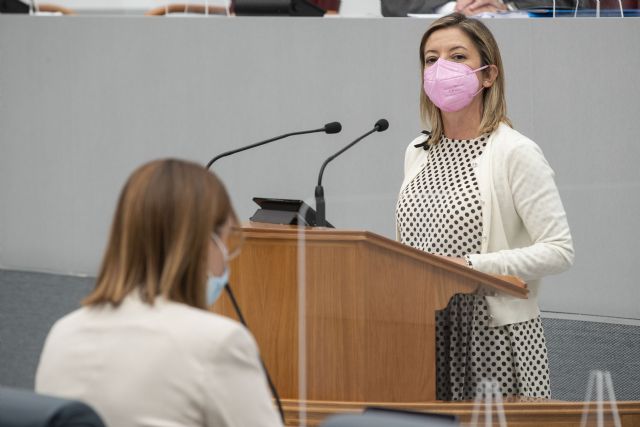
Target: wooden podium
[
  {"x": 350, "y": 313},
  {"x": 346, "y": 319}
]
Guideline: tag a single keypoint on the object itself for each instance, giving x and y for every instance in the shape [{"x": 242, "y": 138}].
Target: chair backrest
[{"x": 22, "y": 408}]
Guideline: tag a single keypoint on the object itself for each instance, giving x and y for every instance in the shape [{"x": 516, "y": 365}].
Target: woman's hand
[{"x": 473, "y": 7}]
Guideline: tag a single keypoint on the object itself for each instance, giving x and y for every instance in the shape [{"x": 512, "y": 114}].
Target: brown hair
[
  {"x": 494, "y": 109},
  {"x": 160, "y": 234}
]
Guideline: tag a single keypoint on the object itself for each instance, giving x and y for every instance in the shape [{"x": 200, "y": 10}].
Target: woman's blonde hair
[
  {"x": 494, "y": 109},
  {"x": 160, "y": 234}
]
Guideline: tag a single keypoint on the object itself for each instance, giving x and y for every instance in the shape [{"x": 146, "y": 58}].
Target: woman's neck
[{"x": 463, "y": 124}]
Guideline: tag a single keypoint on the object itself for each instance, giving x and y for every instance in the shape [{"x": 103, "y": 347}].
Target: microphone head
[
  {"x": 333, "y": 127},
  {"x": 381, "y": 125}
]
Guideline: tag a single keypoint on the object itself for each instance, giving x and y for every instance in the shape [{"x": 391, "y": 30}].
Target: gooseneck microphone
[
  {"x": 380, "y": 126},
  {"x": 333, "y": 127},
  {"x": 272, "y": 386}
]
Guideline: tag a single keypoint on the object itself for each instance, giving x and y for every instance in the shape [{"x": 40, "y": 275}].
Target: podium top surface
[{"x": 505, "y": 284}]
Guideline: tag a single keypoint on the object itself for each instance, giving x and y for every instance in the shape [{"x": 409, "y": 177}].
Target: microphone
[
  {"x": 333, "y": 127},
  {"x": 380, "y": 126},
  {"x": 272, "y": 386}
]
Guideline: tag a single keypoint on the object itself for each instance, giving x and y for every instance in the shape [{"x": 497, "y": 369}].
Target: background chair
[{"x": 21, "y": 408}]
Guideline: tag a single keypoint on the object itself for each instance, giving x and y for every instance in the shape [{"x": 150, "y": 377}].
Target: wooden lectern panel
[
  {"x": 264, "y": 280},
  {"x": 368, "y": 311},
  {"x": 523, "y": 412}
]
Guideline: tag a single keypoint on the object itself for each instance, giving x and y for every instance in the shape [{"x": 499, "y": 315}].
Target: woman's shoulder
[
  {"x": 70, "y": 321},
  {"x": 508, "y": 141},
  {"x": 515, "y": 151},
  {"x": 207, "y": 333},
  {"x": 164, "y": 317},
  {"x": 200, "y": 322},
  {"x": 505, "y": 134}
]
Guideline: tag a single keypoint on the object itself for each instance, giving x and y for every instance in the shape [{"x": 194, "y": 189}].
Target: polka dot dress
[{"x": 440, "y": 212}]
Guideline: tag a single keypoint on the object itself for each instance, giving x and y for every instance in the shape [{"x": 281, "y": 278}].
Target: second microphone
[{"x": 380, "y": 126}]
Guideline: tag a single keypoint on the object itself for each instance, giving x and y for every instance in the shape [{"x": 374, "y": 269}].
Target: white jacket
[
  {"x": 524, "y": 226},
  {"x": 162, "y": 365}
]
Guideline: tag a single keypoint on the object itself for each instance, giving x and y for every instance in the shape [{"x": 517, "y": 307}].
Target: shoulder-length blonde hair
[
  {"x": 494, "y": 109},
  {"x": 160, "y": 234}
]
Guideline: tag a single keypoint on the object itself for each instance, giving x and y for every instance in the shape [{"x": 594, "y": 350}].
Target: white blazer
[
  {"x": 524, "y": 226},
  {"x": 164, "y": 365}
]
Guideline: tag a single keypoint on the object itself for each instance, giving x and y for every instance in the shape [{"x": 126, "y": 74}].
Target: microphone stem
[
  {"x": 257, "y": 144},
  {"x": 319, "y": 193},
  {"x": 320, "y": 212},
  {"x": 375, "y": 129},
  {"x": 264, "y": 368}
]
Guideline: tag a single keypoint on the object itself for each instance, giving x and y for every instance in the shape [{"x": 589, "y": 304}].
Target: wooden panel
[
  {"x": 264, "y": 279},
  {"x": 335, "y": 321},
  {"x": 525, "y": 413},
  {"x": 401, "y": 332},
  {"x": 369, "y": 306},
  {"x": 371, "y": 323}
]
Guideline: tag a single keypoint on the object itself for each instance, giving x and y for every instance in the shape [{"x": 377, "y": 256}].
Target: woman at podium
[
  {"x": 144, "y": 349},
  {"x": 480, "y": 193}
]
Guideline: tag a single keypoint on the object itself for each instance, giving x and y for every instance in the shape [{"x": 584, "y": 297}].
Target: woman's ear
[{"x": 489, "y": 76}]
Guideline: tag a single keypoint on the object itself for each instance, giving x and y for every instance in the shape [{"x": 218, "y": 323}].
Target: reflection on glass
[
  {"x": 488, "y": 400},
  {"x": 600, "y": 407}
]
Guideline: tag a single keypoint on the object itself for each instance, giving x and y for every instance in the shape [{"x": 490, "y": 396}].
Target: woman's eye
[
  {"x": 459, "y": 57},
  {"x": 430, "y": 60}
]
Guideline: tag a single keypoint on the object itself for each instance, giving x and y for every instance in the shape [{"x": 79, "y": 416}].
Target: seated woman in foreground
[{"x": 144, "y": 350}]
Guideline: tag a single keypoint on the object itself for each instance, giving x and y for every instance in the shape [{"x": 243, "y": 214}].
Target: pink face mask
[{"x": 451, "y": 85}]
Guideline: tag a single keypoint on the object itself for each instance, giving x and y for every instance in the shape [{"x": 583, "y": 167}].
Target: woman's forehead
[{"x": 448, "y": 39}]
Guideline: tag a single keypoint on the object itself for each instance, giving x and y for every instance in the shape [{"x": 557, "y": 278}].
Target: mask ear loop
[
  {"x": 480, "y": 69},
  {"x": 457, "y": 77},
  {"x": 221, "y": 246},
  {"x": 479, "y": 90},
  {"x": 481, "y": 86}
]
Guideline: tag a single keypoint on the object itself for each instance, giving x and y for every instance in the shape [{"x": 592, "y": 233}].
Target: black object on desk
[
  {"x": 285, "y": 211},
  {"x": 276, "y": 7},
  {"x": 13, "y": 6}
]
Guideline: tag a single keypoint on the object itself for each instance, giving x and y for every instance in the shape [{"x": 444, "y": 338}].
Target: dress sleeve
[
  {"x": 537, "y": 203},
  {"x": 236, "y": 385}
]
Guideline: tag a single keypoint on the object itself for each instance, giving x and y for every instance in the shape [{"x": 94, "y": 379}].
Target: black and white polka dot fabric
[
  {"x": 440, "y": 212},
  {"x": 469, "y": 351}
]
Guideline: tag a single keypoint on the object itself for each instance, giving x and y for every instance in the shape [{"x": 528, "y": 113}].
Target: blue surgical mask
[{"x": 215, "y": 285}]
